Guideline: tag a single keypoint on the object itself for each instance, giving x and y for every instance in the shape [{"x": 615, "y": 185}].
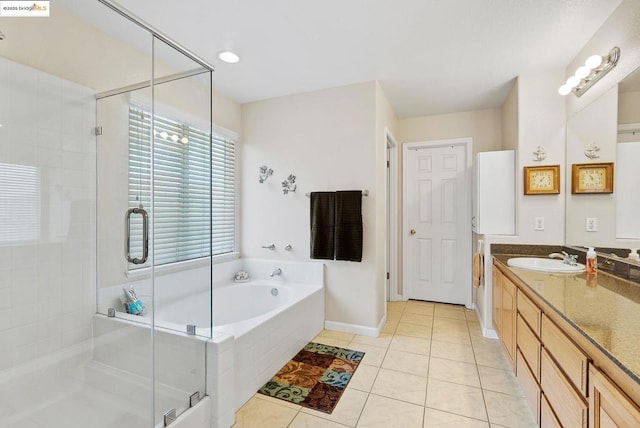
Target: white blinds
[{"x": 192, "y": 181}]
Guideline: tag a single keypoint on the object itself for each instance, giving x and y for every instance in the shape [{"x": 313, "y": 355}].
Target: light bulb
[
  {"x": 583, "y": 72},
  {"x": 229, "y": 57},
  {"x": 573, "y": 81},
  {"x": 163, "y": 134},
  {"x": 184, "y": 140},
  {"x": 593, "y": 61},
  {"x": 174, "y": 138},
  {"x": 564, "y": 89}
]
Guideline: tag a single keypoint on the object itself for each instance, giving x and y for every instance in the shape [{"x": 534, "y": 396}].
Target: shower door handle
[{"x": 145, "y": 236}]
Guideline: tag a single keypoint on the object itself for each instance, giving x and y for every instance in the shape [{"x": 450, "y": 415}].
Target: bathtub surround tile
[
  {"x": 316, "y": 377},
  {"x": 384, "y": 412}
]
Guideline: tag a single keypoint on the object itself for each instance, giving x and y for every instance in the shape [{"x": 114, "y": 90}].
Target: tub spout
[{"x": 276, "y": 272}]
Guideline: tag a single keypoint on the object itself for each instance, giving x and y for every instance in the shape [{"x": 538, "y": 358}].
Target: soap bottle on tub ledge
[{"x": 592, "y": 261}]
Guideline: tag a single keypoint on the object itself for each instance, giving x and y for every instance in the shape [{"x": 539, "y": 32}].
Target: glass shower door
[{"x": 181, "y": 228}]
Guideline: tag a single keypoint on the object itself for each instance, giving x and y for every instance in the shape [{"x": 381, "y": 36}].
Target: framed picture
[
  {"x": 542, "y": 180},
  {"x": 592, "y": 178}
]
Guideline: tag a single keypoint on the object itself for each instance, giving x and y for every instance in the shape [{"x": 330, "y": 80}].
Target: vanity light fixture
[
  {"x": 229, "y": 57},
  {"x": 594, "y": 69}
]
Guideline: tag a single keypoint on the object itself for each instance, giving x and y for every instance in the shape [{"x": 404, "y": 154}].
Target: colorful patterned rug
[{"x": 316, "y": 377}]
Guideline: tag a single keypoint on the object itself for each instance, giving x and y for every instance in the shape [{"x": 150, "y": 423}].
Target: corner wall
[{"x": 327, "y": 139}]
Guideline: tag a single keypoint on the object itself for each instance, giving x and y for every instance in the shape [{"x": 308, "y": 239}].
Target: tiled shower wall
[{"x": 47, "y": 212}]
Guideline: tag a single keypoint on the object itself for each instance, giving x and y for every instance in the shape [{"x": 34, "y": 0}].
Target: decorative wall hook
[
  {"x": 265, "y": 172},
  {"x": 540, "y": 154},
  {"x": 592, "y": 151},
  {"x": 289, "y": 185}
]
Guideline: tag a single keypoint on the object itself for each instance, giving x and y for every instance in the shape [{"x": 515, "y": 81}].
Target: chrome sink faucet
[
  {"x": 570, "y": 259},
  {"x": 276, "y": 272}
]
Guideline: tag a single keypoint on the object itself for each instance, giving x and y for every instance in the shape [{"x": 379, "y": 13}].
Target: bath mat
[{"x": 315, "y": 378}]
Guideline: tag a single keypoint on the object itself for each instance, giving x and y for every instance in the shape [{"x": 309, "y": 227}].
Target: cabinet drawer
[
  {"x": 570, "y": 358},
  {"x": 529, "y": 345},
  {"x": 608, "y": 406},
  {"x": 547, "y": 418},
  {"x": 529, "y": 385},
  {"x": 568, "y": 405},
  {"x": 529, "y": 312}
]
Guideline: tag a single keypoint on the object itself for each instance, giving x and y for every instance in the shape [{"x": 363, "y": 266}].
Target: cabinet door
[
  {"x": 508, "y": 322},
  {"x": 497, "y": 299},
  {"x": 608, "y": 406}
]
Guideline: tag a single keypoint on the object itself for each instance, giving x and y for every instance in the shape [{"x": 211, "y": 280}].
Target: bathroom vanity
[{"x": 573, "y": 342}]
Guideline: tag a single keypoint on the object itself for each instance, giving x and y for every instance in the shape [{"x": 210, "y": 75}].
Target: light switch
[
  {"x": 592, "y": 224},
  {"x": 539, "y": 223}
]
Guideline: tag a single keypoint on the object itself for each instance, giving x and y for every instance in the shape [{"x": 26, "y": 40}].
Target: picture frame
[
  {"x": 592, "y": 178},
  {"x": 542, "y": 180}
]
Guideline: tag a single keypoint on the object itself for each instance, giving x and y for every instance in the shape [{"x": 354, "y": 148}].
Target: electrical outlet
[
  {"x": 592, "y": 224},
  {"x": 539, "y": 223}
]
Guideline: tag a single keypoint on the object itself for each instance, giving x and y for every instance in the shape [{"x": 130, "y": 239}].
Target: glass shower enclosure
[{"x": 105, "y": 220}]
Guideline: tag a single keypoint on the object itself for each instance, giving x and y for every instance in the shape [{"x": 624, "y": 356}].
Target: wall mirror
[{"x": 609, "y": 127}]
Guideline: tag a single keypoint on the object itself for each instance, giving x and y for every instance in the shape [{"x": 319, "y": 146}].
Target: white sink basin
[{"x": 545, "y": 265}]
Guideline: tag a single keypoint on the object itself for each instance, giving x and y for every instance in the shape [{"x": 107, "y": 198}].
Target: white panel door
[{"x": 436, "y": 206}]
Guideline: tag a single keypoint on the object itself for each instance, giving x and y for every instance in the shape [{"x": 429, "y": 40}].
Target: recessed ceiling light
[{"x": 229, "y": 57}]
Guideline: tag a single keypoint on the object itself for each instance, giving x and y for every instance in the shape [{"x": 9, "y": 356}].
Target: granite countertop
[{"x": 605, "y": 309}]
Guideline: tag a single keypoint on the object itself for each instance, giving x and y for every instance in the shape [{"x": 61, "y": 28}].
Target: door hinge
[
  {"x": 388, "y": 276},
  {"x": 98, "y": 130},
  {"x": 388, "y": 164}
]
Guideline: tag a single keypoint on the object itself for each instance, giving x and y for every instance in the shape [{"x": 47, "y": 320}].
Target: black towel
[
  {"x": 348, "y": 225},
  {"x": 322, "y": 224}
]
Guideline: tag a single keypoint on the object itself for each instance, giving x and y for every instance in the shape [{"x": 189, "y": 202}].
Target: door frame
[
  {"x": 391, "y": 149},
  {"x": 465, "y": 227}
]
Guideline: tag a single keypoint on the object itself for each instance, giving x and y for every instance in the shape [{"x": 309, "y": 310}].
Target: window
[
  {"x": 194, "y": 182},
  {"x": 19, "y": 203}
]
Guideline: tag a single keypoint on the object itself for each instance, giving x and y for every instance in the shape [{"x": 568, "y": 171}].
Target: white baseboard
[
  {"x": 486, "y": 332},
  {"x": 355, "y": 328}
]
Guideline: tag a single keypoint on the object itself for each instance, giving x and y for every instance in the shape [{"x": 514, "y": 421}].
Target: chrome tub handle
[{"x": 145, "y": 236}]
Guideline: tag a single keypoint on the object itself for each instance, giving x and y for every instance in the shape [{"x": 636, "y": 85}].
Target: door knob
[{"x": 412, "y": 232}]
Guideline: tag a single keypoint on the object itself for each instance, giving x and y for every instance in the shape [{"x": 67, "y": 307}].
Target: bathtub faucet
[{"x": 276, "y": 272}]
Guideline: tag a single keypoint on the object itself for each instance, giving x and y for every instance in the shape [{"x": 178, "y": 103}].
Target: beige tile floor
[{"x": 430, "y": 367}]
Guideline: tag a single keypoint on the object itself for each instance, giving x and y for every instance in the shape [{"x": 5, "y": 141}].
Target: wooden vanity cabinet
[
  {"x": 608, "y": 406},
  {"x": 504, "y": 313},
  {"x": 509, "y": 319},
  {"x": 497, "y": 300},
  {"x": 567, "y": 381}
]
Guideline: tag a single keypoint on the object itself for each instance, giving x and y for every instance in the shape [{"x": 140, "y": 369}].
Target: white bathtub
[
  {"x": 255, "y": 333},
  {"x": 237, "y": 307}
]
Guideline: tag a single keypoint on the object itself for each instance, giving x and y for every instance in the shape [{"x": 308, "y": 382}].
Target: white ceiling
[{"x": 430, "y": 56}]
